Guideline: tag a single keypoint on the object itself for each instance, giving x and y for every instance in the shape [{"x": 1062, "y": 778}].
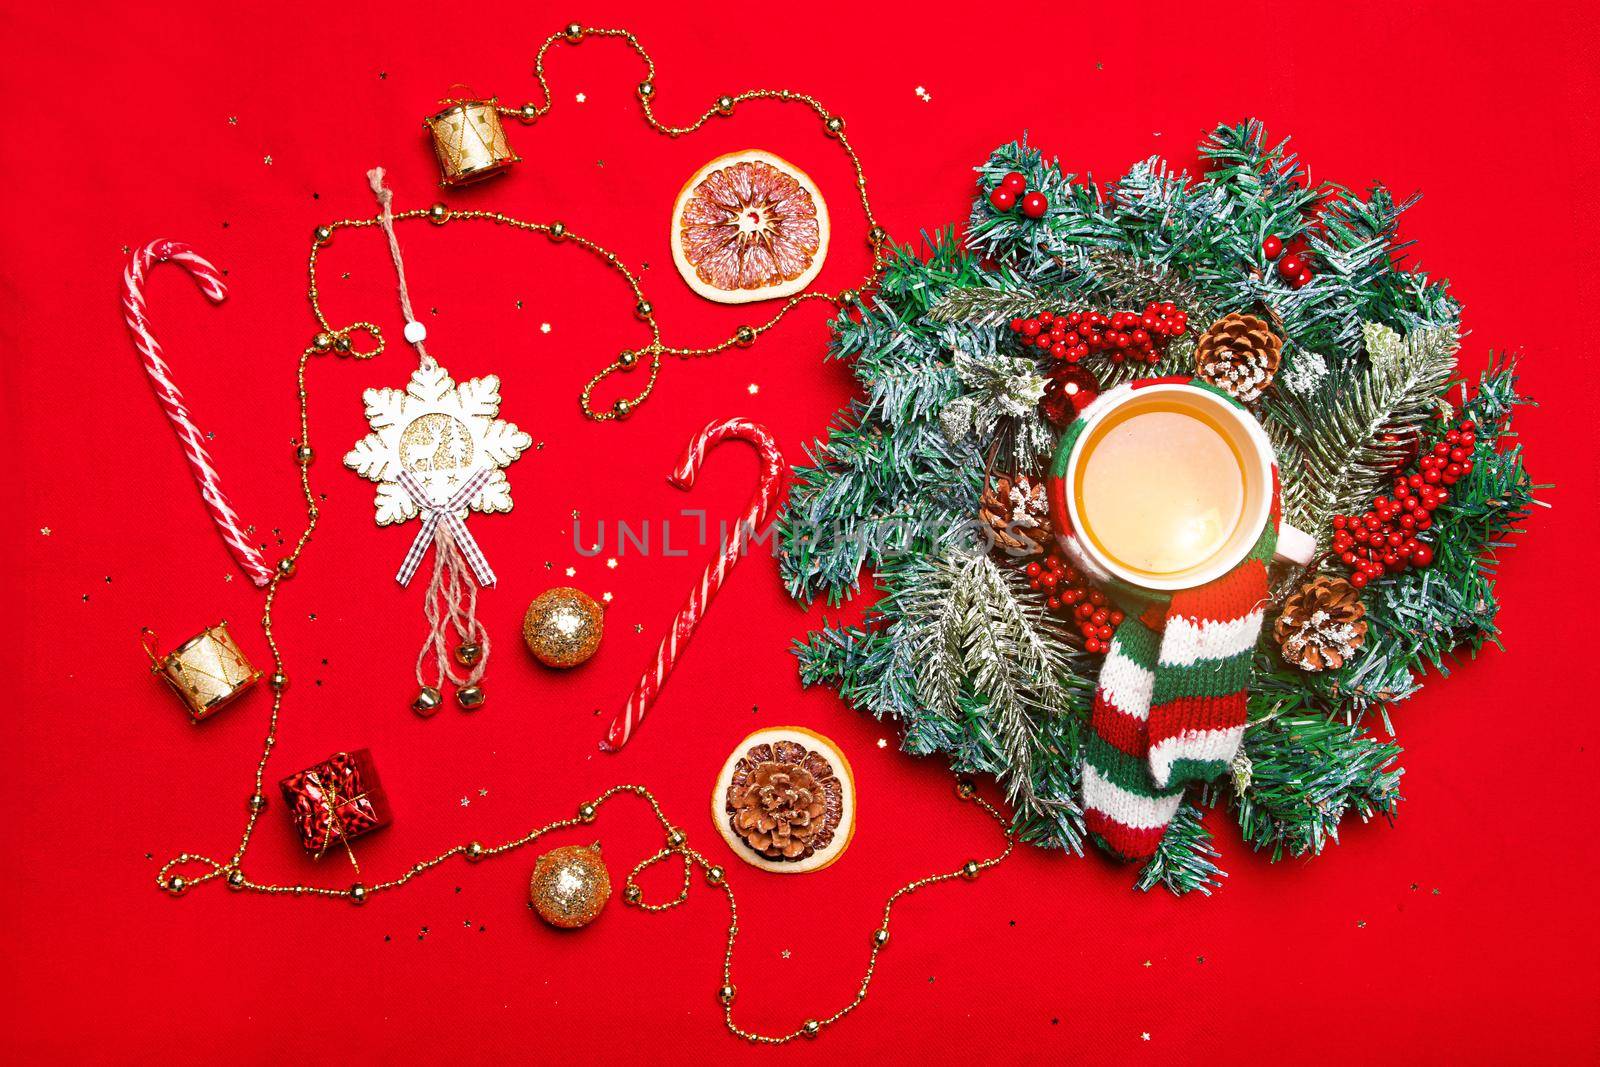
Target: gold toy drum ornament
[
  {"x": 470, "y": 142},
  {"x": 207, "y": 671}
]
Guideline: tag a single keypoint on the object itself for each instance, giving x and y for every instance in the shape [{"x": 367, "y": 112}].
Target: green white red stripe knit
[{"x": 1169, "y": 708}]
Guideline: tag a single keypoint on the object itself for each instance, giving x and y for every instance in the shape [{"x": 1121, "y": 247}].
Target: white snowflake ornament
[{"x": 440, "y": 432}]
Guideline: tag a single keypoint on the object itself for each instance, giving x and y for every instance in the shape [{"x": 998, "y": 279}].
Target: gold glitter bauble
[
  {"x": 563, "y": 627},
  {"x": 570, "y": 886}
]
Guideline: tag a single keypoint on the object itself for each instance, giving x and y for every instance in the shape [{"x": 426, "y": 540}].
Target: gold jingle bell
[
  {"x": 206, "y": 671},
  {"x": 427, "y": 701},
  {"x": 469, "y": 141}
]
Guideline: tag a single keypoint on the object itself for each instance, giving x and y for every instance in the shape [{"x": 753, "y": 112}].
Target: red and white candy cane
[
  {"x": 763, "y": 506},
  {"x": 189, "y": 435}
]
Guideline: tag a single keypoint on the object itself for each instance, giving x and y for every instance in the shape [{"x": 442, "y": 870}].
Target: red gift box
[{"x": 338, "y": 799}]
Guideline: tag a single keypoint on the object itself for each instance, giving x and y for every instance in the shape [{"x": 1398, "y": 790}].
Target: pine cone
[
  {"x": 784, "y": 801},
  {"x": 1017, "y": 515},
  {"x": 1322, "y": 624},
  {"x": 1239, "y": 354}
]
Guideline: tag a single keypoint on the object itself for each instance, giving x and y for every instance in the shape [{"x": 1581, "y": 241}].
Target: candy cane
[
  {"x": 762, "y": 507},
  {"x": 171, "y": 398}
]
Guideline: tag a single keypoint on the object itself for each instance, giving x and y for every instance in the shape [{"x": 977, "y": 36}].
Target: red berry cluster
[
  {"x": 1385, "y": 538},
  {"x": 1122, "y": 335},
  {"x": 1294, "y": 267},
  {"x": 1013, "y": 188},
  {"x": 1067, "y": 593}
]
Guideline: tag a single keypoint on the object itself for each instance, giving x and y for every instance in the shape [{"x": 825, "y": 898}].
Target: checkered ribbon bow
[{"x": 447, "y": 513}]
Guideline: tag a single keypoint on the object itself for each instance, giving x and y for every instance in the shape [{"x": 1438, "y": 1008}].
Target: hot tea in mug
[{"x": 1170, "y": 485}]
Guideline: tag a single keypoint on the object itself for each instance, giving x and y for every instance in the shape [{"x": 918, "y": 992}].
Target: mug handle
[{"x": 1295, "y": 546}]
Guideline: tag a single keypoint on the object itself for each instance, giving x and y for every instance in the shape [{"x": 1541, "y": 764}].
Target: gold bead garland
[{"x": 341, "y": 341}]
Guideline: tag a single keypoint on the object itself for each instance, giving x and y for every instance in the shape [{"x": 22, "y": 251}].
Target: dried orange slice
[
  {"x": 749, "y": 226},
  {"x": 786, "y": 800}
]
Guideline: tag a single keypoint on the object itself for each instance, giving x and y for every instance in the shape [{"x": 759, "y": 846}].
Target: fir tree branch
[
  {"x": 1128, "y": 283},
  {"x": 1000, "y": 407},
  {"x": 1184, "y": 861},
  {"x": 965, "y": 629},
  {"x": 1337, "y": 462},
  {"x": 986, "y": 306},
  {"x": 1307, "y": 774},
  {"x": 1111, "y": 279}
]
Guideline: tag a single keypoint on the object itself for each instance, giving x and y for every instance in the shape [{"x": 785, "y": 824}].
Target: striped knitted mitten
[{"x": 1170, "y": 705}]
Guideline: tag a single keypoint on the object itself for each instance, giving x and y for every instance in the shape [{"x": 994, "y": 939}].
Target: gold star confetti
[
  {"x": 753, "y": 388},
  {"x": 638, "y": 627},
  {"x": 267, "y": 160},
  {"x": 1144, "y": 1036},
  {"x": 580, "y": 98},
  {"x": 922, "y": 94},
  {"x": 612, "y": 563},
  {"x": 785, "y": 953},
  {"x": 233, "y": 120},
  {"x": 544, "y": 327},
  {"x": 883, "y": 742},
  {"x": 126, "y": 250},
  {"x": 574, "y": 512},
  {"x": 465, "y": 802},
  {"x": 483, "y": 792},
  {"x": 572, "y": 572},
  {"x": 606, "y": 597},
  {"x": 549, "y": 566},
  {"x": 44, "y": 531},
  {"x": 227, "y": 577}
]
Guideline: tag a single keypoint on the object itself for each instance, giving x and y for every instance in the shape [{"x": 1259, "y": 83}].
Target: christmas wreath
[{"x": 986, "y": 641}]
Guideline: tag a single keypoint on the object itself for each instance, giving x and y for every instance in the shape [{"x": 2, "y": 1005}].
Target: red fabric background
[{"x": 1465, "y": 932}]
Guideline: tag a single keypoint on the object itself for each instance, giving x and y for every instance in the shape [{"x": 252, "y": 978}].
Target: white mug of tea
[{"x": 1168, "y": 486}]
